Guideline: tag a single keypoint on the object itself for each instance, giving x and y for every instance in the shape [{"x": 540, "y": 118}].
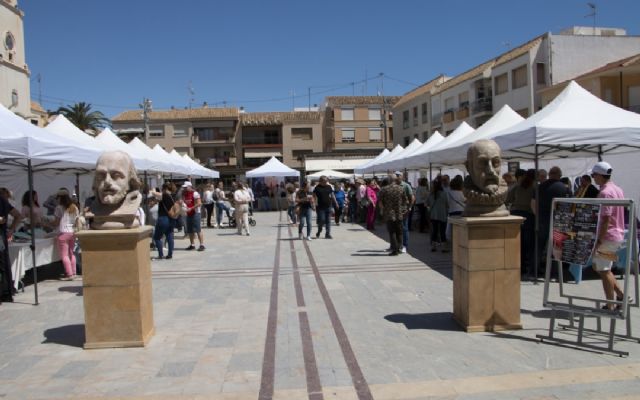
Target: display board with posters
[{"x": 575, "y": 228}]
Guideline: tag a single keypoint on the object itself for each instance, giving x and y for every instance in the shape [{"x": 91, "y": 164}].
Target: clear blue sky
[{"x": 254, "y": 53}]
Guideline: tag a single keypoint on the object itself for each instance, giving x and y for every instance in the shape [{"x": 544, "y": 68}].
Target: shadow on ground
[
  {"x": 68, "y": 335},
  {"x": 440, "y": 321},
  {"x": 71, "y": 289}
]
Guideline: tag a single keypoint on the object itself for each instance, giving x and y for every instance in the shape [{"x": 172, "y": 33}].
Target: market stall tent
[
  {"x": 576, "y": 123},
  {"x": 359, "y": 170},
  {"x": 206, "y": 172},
  {"x": 395, "y": 162},
  {"x": 375, "y": 166},
  {"x": 418, "y": 159},
  {"x": 331, "y": 174},
  {"x": 455, "y": 152},
  {"x": 273, "y": 167}
]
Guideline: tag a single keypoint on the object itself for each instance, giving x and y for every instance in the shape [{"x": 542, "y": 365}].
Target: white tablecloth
[{"x": 20, "y": 256}]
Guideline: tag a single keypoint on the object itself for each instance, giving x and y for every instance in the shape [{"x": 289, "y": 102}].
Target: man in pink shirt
[{"x": 610, "y": 231}]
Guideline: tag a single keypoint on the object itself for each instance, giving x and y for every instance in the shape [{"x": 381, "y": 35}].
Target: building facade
[
  {"x": 515, "y": 77},
  {"x": 358, "y": 124},
  {"x": 228, "y": 139}
]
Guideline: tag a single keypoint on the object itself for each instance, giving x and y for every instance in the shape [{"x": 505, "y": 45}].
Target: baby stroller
[{"x": 232, "y": 219}]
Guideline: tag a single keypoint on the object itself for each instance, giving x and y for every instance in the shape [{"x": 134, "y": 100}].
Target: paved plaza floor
[{"x": 270, "y": 316}]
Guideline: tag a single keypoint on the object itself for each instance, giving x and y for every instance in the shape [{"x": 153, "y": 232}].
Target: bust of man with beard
[
  {"x": 484, "y": 188},
  {"x": 116, "y": 187}
]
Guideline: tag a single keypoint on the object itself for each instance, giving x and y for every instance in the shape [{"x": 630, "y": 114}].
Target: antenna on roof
[
  {"x": 191, "y": 95},
  {"x": 592, "y": 6}
]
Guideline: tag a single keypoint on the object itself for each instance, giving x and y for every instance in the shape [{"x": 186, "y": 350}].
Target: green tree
[{"x": 80, "y": 115}]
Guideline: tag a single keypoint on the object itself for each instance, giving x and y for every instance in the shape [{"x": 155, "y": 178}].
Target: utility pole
[
  {"x": 592, "y": 6},
  {"x": 383, "y": 114},
  {"x": 309, "y": 92},
  {"x": 146, "y": 109}
]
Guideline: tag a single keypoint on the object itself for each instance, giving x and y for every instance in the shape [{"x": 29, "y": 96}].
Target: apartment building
[
  {"x": 228, "y": 139},
  {"x": 358, "y": 124},
  {"x": 515, "y": 77},
  {"x": 617, "y": 83}
]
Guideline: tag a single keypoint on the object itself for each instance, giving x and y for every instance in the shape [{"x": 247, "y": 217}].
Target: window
[
  {"x": 374, "y": 114},
  {"x": 375, "y": 135},
  {"x": 14, "y": 97},
  {"x": 415, "y": 116},
  {"x": 347, "y": 113},
  {"x": 302, "y": 133},
  {"x": 405, "y": 119},
  {"x": 300, "y": 154},
  {"x": 348, "y": 135},
  {"x": 405, "y": 141},
  {"x": 272, "y": 137},
  {"x": 156, "y": 131},
  {"x": 448, "y": 104},
  {"x": 541, "y": 78},
  {"x": 519, "y": 77},
  {"x": 463, "y": 99},
  {"x": 425, "y": 113},
  {"x": 502, "y": 83},
  {"x": 182, "y": 150},
  {"x": 9, "y": 41},
  {"x": 179, "y": 131}
]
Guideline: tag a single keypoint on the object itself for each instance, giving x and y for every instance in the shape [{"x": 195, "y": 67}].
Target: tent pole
[
  {"x": 536, "y": 258},
  {"x": 33, "y": 236},
  {"x": 430, "y": 174},
  {"x": 599, "y": 152},
  {"x": 78, "y": 187}
]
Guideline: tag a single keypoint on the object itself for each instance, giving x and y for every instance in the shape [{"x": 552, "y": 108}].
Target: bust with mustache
[
  {"x": 116, "y": 187},
  {"x": 484, "y": 188}
]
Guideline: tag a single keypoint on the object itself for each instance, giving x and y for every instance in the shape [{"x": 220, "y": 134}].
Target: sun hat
[
  {"x": 186, "y": 184},
  {"x": 602, "y": 168}
]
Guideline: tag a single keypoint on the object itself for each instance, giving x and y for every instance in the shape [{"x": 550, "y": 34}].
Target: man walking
[
  {"x": 324, "y": 199},
  {"x": 610, "y": 231},
  {"x": 393, "y": 203},
  {"x": 221, "y": 206},
  {"x": 408, "y": 191}
]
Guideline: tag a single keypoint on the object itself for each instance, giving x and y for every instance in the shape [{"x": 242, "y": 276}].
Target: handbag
[
  {"x": 365, "y": 202},
  {"x": 174, "y": 211}
]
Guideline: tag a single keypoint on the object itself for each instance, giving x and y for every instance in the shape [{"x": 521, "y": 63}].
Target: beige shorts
[{"x": 605, "y": 255}]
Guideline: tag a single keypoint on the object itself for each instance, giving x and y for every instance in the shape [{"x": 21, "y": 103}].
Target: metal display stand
[{"x": 578, "y": 312}]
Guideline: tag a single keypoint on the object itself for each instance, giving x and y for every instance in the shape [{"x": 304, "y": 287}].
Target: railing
[
  {"x": 448, "y": 116},
  {"x": 462, "y": 112},
  {"x": 208, "y": 138},
  {"x": 482, "y": 105}
]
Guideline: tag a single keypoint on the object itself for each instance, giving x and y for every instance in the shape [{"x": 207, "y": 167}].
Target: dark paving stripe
[
  {"x": 314, "y": 387},
  {"x": 359, "y": 382},
  {"x": 269, "y": 358}
]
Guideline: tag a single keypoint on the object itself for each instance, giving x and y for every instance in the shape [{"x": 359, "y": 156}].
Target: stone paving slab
[{"x": 211, "y": 310}]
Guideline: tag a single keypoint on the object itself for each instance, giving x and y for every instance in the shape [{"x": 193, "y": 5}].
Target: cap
[
  {"x": 62, "y": 192},
  {"x": 186, "y": 184},
  {"x": 398, "y": 173},
  {"x": 602, "y": 168}
]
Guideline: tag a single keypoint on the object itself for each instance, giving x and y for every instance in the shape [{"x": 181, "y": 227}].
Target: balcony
[
  {"x": 482, "y": 105},
  {"x": 448, "y": 116},
  {"x": 436, "y": 119},
  {"x": 463, "y": 112},
  {"x": 222, "y": 161},
  {"x": 635, "y": 109}
]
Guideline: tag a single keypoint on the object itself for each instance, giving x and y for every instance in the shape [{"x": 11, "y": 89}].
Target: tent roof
[
  {"x": 273, "y": 167},
  {"x": 166, "y": 164},
  {"x": 375, "y": 166},
  {"x": 204, "y": 171},
  {"x": 456, "y": 152},
  {"x": 331, "y": 174},
  {"x": 63, "y": 127},
  {"x": 383, "y": 153},
  {"x": 418, "y": 159},
  {"x": 109, "y": 141},
  {"x": 394, "y": 162},
  {"x": 20, "y": 140},
  {"x": 574, "y": 122}
]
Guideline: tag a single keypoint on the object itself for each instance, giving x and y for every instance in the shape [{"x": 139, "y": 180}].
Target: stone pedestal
[
  {"x": 486, "y": 272},
  {"x": 116, "y": 275}
]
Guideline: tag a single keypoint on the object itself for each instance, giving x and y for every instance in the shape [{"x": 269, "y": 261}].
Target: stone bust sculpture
[
  {"x": 116, "y": 187},
  {"x": 484, "y": 188}
]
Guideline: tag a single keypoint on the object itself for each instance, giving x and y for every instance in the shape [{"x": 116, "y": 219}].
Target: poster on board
[{"x": 575, "y": 228}]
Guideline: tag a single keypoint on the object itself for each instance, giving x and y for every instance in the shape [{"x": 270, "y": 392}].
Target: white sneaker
[
  {"x": 404, "y": 249},
  {"x": 248, "y": 234},
  {"x": 309, "y": 238}
]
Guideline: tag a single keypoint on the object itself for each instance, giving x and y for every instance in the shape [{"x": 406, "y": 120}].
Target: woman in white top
[
  {"x": 242, "y": 198},
  {"x": 66, "y": 214}
]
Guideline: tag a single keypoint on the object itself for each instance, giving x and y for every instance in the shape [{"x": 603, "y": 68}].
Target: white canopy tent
[
  {"x": 394, "y": 162},
  {"x": 25, "y": 147},
  {"x": 375, "y": 166},
  {"x": 455, "y": 152},
  {"x": 331, "y": 174},
  {"x": 576, "y": 123},
  {"x": 109, "y": 141},
  {"x": 359, "y": 169},
  {"x": 273, "y": 167},
  {"x": 205, "y": 172},
  {"x": 179, "y": 169},
  {"x": 463, "y": 131},
  {"x": 65, "y": 128},
  {"x": 139, "y": 146},
  {"x": 418, "y": 159}
]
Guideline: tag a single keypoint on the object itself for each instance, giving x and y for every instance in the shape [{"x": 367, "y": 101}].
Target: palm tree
[{"x": 80, "y": 115}]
